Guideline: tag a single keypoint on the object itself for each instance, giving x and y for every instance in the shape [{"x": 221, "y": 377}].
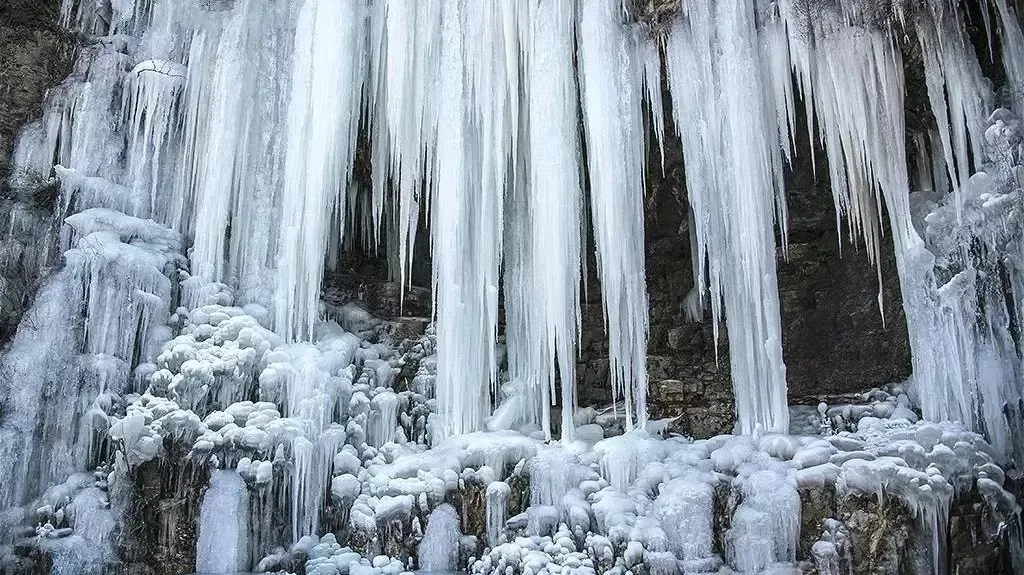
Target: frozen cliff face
[
  {"x": 205, "y": 153},
  {"x": 461, "y": 139}
]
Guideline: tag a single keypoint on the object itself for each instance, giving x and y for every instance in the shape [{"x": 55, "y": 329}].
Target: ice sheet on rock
[
  {"x": 439, "y": 550},
  {"x": 964, "y": 359},
  {"x": 685, "y": 508},
  {"x": 116, "y": 280},
  {"x": 223, "y": 525},
  {"x": 766, "y": 526},
  {"x": 76, "y": 130},
  {"x": 87, "y": 547}
]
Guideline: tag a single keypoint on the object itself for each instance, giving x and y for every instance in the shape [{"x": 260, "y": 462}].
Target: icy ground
[{"x": 335, "y": 416}]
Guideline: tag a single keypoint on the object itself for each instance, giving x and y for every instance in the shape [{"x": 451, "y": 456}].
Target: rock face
[
  {"x": 35, "y": 54},
  {"x": 161, "y": 516}
]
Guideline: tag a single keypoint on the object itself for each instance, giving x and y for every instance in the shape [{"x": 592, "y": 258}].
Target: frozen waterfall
[
  {"x": 217, "y": 159},
  {"x": 473, "y": 115}
]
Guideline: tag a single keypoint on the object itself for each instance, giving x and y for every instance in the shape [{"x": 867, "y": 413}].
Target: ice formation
[
  {"x": 439, "y": 549},
  {"x": 206, "y": 155},
  {"x": 223, "y": 525},
  {"x": 473, "y": 139}
]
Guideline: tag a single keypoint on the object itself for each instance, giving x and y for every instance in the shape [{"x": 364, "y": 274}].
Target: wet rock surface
[{"x": 35, "y": 54}]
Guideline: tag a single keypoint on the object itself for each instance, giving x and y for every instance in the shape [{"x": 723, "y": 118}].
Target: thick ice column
[
  {"x": 611, "y": 75},
  {"x": 543, "y": 261},
  {"x": 497, "y": 511},
  {"x": 963, "y": 306},
  {"x": 213, "y": 139},
  {"x": 475, "y": 123},
  {"x": 322, "y": 120},
  {"x": 731, "y": 144}
]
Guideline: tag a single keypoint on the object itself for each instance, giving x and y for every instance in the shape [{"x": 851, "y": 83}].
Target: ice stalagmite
[
  {"x": 731, "y": 144},
  {"x": 322, "y": 120},
  {"x": 611, "y": 73}
]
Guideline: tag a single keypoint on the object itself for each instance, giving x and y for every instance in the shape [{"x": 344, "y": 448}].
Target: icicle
[
  {"x": 474, "y": 125},
  {"x": 322, "y": 120},
  {"x": 214, "y": 140},
  {"x": 151, "y": 101},
  {"x": 404, "y": 65},
  {"x": 611, "y": 79},
  {"x": 732, "y": 157},
  {"x": 959, "y": 96},
  {"x": 1013, "y": 53},
  {"x": 543, "y": 269}
]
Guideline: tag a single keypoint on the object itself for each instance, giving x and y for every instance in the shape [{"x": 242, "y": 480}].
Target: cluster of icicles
[{"x": 518, "y": 131}]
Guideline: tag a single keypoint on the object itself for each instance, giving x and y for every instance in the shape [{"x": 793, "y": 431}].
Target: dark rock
[
  {"x": 726, "y": 501},
  {"x": 816, "y": 505},
  {"x": 978, "y": 542},
  {"x": 161, "y": 518},
  {"x": 882, "y": 535},
  {"x": 34, "y": 55},
  {"x": 473, "y": 512}
]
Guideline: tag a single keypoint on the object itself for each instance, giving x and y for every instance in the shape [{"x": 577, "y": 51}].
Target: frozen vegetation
[{"x": 206, "y": 151}]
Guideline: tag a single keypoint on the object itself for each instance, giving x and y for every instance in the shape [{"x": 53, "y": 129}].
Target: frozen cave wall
[{"x": 835, "y": 339}]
